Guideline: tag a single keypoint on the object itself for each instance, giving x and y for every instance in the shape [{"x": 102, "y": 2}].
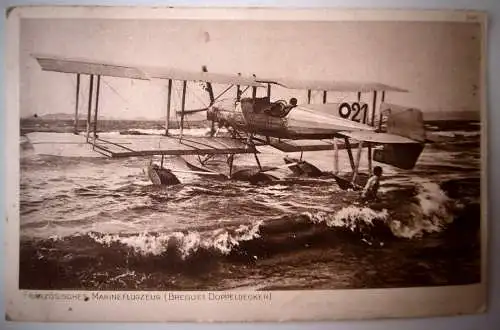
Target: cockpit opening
[
  {"x": 278, "y": 109},
  {"x": 281, "y": 108}
]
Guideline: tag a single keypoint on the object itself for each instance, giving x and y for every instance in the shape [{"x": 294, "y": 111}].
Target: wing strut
[
  {"x": 77, "y": 101},
  {"x": 238, "y": 91},
  {"x": 98, "y": 88},
  {"x": 349, "y": 152},
  {"x": 335, "y": 156},
  {"x": 374, "y": 105},
  {"x": 358, "y": 161},
  {"x": 254, "y": 90},
  {"x": 91, "y": 91},
  {"x": 252, "y": 145},
  {"x": 183, "y": 105},
  {"x": 169, "y": 104}
]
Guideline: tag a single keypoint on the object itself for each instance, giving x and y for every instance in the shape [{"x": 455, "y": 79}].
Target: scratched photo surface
[{"x": 248, "y": 199}]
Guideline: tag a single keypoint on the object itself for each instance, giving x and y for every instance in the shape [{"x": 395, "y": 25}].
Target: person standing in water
[{"x": 372, "y": 185}]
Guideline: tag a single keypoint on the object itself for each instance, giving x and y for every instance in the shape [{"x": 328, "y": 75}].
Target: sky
[{"x": 439, "y": 63}]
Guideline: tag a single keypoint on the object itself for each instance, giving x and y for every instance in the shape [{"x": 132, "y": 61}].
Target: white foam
[
  {"x": 186, "y": 244},
  {"x": 433, "y": 212},
  {"x": 349, "y": 217},
  {"x": 458, "y": 133},
  {"x": 432, "y": 199},
  {"x": 430, "y": 211}
]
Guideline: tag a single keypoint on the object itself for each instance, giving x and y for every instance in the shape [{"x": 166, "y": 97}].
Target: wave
[
  {"x": 430, "y": 210},
  {"x": 458, "y": 133},
  {"x": 183, "y": 244}
]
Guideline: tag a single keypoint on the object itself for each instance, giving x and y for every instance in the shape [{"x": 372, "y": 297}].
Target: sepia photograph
[{"x": 249, "y": 155}]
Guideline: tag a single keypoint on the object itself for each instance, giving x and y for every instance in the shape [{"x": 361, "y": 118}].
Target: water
[{"x": 94, "y": 223}]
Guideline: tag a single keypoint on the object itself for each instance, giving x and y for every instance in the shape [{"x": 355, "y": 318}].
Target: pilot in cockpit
[{"x": 280, "y": 109}]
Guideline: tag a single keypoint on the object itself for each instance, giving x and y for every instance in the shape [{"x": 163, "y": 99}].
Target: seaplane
[{"x": 244, "y": 121}]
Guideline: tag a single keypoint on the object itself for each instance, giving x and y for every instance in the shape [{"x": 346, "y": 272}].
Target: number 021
[{"x": 346, "y": 110}]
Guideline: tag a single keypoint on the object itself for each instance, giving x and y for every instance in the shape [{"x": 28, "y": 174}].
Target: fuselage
[{"x": 277, "y": 119}]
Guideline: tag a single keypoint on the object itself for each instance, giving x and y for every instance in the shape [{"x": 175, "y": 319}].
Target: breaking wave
[
  {"x": 351, "y": 217},
  {"x": 428, "y": 211},
  {"x": 206, "y": 256},
  {"x": 183, "y": 244}
]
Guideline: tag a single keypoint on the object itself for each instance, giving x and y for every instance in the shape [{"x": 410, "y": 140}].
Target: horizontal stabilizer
[
  {"x": 286, "y": 145},
  {"x": 375, "y": 137}
]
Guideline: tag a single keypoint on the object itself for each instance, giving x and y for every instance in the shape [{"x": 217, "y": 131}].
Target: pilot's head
[
  {"x": 293, "y": 101},
  {"x": 377, "y": 170}
]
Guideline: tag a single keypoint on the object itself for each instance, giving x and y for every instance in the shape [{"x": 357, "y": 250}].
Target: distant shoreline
[
  {"x": 30, "y": 125},
  {"x": 428, "y": 116}
]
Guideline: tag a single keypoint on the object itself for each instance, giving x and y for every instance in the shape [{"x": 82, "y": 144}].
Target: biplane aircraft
[{"x": 393, "y": 135}]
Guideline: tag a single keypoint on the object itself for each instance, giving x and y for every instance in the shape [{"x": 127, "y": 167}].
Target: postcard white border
[{"x": 310, "y": 305}]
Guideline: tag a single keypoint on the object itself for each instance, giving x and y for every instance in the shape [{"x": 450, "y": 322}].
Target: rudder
[{"x": 406, "y": 122}]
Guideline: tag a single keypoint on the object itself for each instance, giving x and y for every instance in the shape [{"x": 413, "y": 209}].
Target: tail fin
[{"x": 402, "y": 121}]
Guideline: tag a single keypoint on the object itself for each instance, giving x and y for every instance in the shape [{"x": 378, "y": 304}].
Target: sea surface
[{"x": 99, "y": 224}]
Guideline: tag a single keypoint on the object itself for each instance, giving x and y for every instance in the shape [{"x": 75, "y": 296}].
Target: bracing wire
[
  {"x": 179, "y": 96},
  {"x": 115, "y": 91},
  {"x": 198, "y": 98}
]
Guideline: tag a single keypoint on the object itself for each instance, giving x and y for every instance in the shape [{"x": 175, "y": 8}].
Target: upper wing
[
  {"x": 59, "y": 64},
  {"x": 216, "y": 78},
  {"x": 334, "y": 86},
  {"x": 85, "y": 66}
]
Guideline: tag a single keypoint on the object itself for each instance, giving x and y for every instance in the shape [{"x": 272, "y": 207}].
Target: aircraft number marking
[{"x": 355, "y": 109}]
